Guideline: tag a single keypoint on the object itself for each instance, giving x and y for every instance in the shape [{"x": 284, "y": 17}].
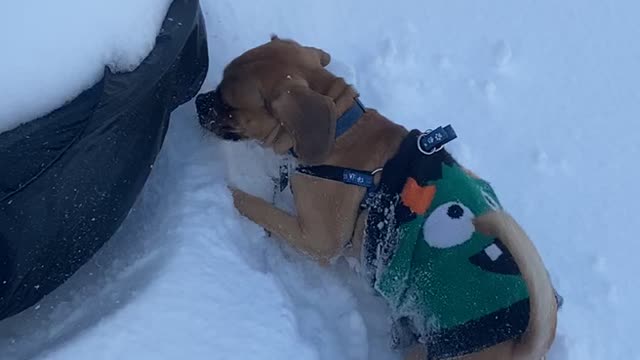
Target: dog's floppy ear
[{"x": 310, "y": 119}]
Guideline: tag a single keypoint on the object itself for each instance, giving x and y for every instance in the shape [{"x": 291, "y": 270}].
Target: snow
[
  {"x": 51, "y": 51},
  {"x": 543, "y": 95}
]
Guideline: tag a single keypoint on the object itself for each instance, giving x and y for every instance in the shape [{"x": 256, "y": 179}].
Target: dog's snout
[
  {"x": 211, "y": 109},
  {"x": 214, "y": 115},
  {"x": 207, "y": 101},
  {"x": 201, "y": 102}
]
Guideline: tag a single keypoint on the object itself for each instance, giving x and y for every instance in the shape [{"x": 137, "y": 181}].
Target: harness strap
[
  {"x": 346, "y": 121},
  {"x": 428, "y": 143},
  {"x": 346, "y": 176},
  {"x": 337, "y": 173},
  {"x": 340, "y": 174},
  {"x": 349, "y": 118}
]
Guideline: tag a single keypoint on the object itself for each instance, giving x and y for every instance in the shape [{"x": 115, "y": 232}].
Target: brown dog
[{"x": 281, "y": 95}]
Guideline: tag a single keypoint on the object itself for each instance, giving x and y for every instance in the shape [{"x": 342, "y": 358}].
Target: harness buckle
[{"x": 432, "y": 141}]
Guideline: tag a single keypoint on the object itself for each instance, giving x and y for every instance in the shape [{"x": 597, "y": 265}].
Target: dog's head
[{"x": 267, "y": 95}]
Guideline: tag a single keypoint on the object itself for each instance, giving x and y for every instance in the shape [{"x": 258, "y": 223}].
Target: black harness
[{"x": 428, "y": 143}]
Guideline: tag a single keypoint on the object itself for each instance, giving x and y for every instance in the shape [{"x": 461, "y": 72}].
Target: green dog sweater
[{"x": 450, "y": 287}]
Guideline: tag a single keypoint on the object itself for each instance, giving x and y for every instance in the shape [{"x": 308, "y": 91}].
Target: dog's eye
[{"x": 449, "y": 225}]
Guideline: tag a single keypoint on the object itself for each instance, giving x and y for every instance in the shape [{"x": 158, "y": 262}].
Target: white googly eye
[{"x": 449, "y": 225}]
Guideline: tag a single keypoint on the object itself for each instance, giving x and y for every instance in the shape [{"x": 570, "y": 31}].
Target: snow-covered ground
[{"x": 544, "y": 96}]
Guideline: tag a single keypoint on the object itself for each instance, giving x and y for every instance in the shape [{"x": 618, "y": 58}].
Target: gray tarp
[{"x": 68, "y": 179}]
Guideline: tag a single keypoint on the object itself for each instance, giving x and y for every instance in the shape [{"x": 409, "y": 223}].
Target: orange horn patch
[{"x": 417, "y": 198}]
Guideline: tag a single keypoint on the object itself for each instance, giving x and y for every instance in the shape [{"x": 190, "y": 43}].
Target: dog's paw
[
  {"x": 238, "y": 196},
  {"x": 244, "y": 202}
]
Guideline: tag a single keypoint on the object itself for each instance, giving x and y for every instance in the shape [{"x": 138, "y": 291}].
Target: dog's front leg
[{"x": 284, "y": 225}]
